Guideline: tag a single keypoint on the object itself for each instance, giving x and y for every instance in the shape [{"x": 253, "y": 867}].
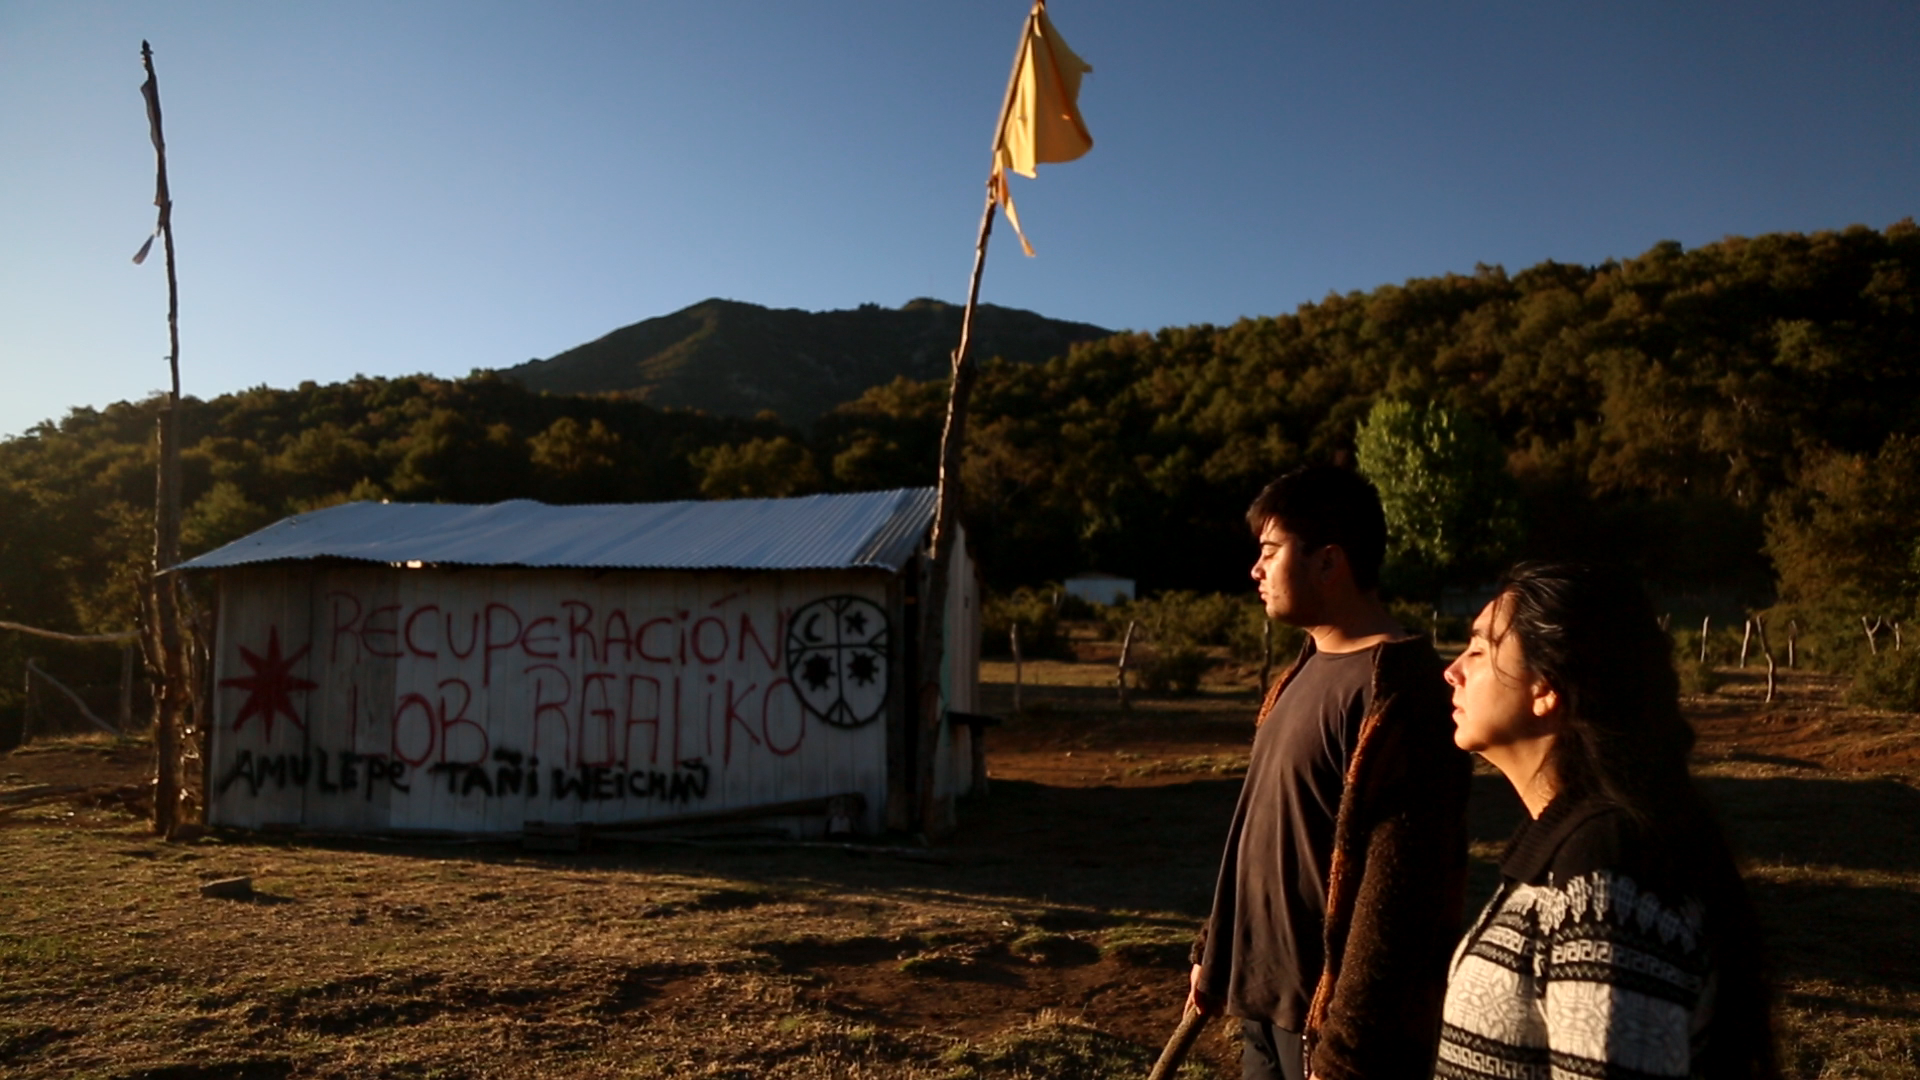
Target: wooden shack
[{"x": 395, "y": 668}]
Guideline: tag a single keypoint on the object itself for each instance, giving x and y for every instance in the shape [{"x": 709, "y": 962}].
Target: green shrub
[
  {"x": 1201, "y": 618},
  {"x": 1176, "y": 670},
  {"x": 1073, "y": 607},
  {"x": 1888, "y": 680},
  {"x": 1696, "y": 677},
  {"x": 1032, "y": 610},
  {"x": 1419, "y": 617},
  {"x": 1247, "y": 644},
  {"x": 1415, "y": 616}
]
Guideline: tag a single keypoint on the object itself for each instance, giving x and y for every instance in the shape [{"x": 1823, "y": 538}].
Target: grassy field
[{"x": 1047, "y": 940}]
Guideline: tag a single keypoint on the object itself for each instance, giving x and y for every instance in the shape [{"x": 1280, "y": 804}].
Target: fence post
[
  {"x": 26, "y": 701},
  {"x": 1266, "y": 651},
  {"x": 1126, "y": 650},
  {"x": 126, "y": 688},
  {"x": 1759, "y": 623},
  {"x": 1015, "y": 634}
]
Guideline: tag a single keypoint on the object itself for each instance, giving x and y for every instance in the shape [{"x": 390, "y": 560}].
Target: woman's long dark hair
[{"x": 1593, "y": 636}]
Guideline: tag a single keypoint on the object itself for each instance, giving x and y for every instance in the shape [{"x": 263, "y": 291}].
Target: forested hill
[
  {"x": 1740, "y": 420},
  {"x": 735, "y": 359},
  {"x": 1653, "y": 410}
]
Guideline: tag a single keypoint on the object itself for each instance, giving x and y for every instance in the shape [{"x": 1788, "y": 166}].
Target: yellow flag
[{"x": 1041, "y": 123}]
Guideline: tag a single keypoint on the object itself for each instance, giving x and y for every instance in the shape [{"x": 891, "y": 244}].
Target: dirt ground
[{"x": 1047, "y": 939}]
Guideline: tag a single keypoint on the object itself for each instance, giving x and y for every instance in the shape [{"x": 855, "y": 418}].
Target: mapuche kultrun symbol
[{"x": 837, "y": 659}]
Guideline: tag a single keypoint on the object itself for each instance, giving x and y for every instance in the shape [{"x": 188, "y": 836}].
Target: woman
[{"x": 1621, "y": 941}]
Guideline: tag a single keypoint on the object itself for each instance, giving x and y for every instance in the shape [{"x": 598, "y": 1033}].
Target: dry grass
[
  {"x": 482, "y": 961},
  {"x": 1048, "y": 940}
]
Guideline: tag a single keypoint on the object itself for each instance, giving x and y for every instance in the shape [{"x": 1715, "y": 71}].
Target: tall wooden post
[
  {"x": 1014, "y": 634},
  {"x": 1266, "y": 650},
  {"x": 162, "y": 630},
  {"x": 1759, "y": 624},
  {"x": 935, "y": 815}
]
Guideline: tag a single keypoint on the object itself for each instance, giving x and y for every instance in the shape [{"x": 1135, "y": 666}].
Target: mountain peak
[{"x": 734, "y": 358}]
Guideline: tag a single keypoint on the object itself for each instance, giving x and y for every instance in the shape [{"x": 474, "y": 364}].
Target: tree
[
  {"x": 1844, "y": 543},
  {"x": 757, "y": 469},
  {"x": 1451, "y": 509},
  {"x": 575, "y": 461}
]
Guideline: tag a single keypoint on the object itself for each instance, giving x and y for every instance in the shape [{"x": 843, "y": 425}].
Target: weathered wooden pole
[
  {"x": 26, "y": 703},
  {"x": 1056, "y": 93},
  {"x": 163, "y": 644},
  {"x": 935, "y": 818},
  {"x": 1266, "y": 651},
  {"x": 126, "y": 689},
  {"x": 1759, "y": 623},
  {"x": 1015, "y": 635},
  {"x": 948, "y": 499}
]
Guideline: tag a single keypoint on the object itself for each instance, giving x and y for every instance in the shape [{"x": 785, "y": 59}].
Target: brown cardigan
[{"x": 1397, "y": 885}]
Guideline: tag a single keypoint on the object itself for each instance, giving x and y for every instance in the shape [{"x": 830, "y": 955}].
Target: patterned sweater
[{"x": 1581, "y": 965}]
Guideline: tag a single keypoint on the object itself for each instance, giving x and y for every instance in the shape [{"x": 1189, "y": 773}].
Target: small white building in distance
[{"x": 1098, "y": 588}]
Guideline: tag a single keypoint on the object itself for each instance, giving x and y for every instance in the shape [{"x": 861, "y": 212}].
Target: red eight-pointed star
[{"x": 270, "y": 684}]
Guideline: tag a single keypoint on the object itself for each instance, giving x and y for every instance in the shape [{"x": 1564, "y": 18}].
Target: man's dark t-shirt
[{"x": 1264, "y": 948}]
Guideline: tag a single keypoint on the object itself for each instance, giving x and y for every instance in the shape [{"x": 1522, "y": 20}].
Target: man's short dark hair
[{"x": 1326, "y": 504}]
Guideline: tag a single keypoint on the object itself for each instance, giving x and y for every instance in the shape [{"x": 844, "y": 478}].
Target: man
[{"x": 1340, "y": 891}]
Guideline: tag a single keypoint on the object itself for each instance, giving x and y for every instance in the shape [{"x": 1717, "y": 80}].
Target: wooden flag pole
[
  {"x": 165, "y": 654},
  {"x": 935, "y": 815}
]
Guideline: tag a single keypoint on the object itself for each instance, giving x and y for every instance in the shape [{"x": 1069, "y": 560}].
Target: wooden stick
[
  {"x": 78, "y": 702},
  {"x": 126, "y": 687},
  {"x": 163, "y": 625},
  {"x": 1178, "y": 1045},
  {"x": 1126, "y": 650},
  {"x": 1759, "y": 623},
  {"x": 1746, "y": 639},
  {"x": 949, "y": 495},
  {"x": 940, "y": 561},
  {"x": 79, "y": 639},
  {"x": 1705, "y": 622},
  {"x": 26, "y": 707},
  {"x": 1266, "y": 651},
  {"x": 39, "y": 791},
  {"x": 1015, "y": 634}
]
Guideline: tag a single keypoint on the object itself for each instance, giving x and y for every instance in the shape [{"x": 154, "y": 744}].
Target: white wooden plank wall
[{"x": 478, "y": 700}]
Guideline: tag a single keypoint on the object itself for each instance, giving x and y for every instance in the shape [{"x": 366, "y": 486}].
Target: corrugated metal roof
[{"x": 879, "y": 529}]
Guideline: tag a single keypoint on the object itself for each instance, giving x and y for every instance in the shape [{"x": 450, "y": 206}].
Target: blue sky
[{"x": 385, "y": 188}]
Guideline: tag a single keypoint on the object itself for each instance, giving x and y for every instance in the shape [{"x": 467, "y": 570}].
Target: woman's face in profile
[{"x": 1497, "y": 699}]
